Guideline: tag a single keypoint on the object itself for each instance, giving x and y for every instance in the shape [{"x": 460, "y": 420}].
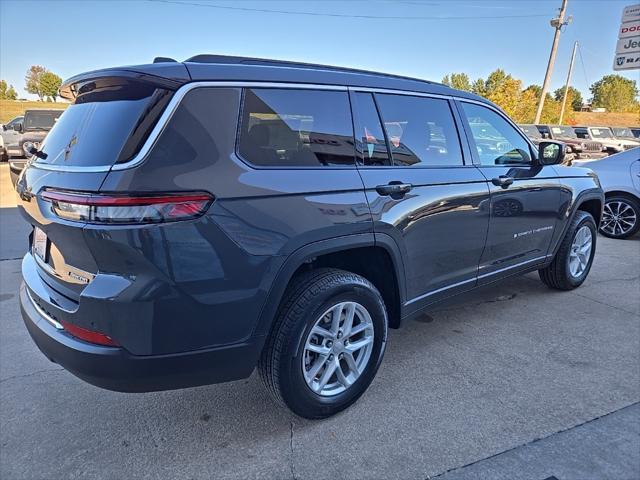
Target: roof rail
[{"x": 229, "y": 59}]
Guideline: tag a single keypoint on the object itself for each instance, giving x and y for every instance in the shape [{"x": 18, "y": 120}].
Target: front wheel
[
  {"x": 327, "y": 343},
  {"x": 620, "y": 217},
  {"x": 573, "y": 260}
]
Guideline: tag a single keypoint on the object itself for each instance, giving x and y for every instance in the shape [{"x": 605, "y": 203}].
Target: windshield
[
  {"x": 99, "y": 128},
  {"x": 531, "y": 131},
  {"x": 601, "y": 133},
  {"x": 560, "y": 131},
  {"x": 622, "y": 132},
  {"x": 40, "y": 120}
]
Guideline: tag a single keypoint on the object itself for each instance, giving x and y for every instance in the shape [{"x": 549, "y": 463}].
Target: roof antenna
[{"x": 164, "y": 60}]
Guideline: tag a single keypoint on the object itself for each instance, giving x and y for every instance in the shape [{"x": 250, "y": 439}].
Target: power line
[
  {"x": 584, "y": 70},
  {"x": 339, "y": 15}
]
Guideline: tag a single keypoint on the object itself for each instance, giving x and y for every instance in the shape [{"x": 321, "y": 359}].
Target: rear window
[
  {"x": 104, "y": 127},
  {"x": 296, "y": 128},
  {"x": 35, "y": 120}
]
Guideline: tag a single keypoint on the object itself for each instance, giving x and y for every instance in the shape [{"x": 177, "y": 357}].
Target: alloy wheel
[
  {"x": 338, "y": 348},
  {"x": 580, "y": 252},
  {"x": 618, "y": 218}
]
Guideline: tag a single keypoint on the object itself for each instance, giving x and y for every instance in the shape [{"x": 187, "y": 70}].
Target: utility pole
[
  {"x": 566, "y": 85},
  {"x": 557, "y": 24}
]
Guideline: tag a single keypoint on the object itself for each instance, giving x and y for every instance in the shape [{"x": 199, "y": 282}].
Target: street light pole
[
  {"x": 556, "y": 23},
  {"x": 566, "y": 85}
]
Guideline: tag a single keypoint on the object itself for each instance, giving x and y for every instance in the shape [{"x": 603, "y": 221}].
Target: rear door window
[
  {"x": 296, "y": 128},
  {"x": 370, "y": 140},
  {"x": 421, "y": 131}
]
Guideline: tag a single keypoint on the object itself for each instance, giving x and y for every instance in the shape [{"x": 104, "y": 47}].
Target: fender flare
[
  {"x": 309, "y": 251},
  {"x": 590, "y": 194}
]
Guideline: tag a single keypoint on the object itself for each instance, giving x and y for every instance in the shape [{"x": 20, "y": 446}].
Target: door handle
[
  {"x": 502, "y": 181},
  {"x": 394, "y": 189}
]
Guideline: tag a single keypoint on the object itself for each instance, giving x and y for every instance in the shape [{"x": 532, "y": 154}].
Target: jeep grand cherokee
[{"x": 245, "y": 212}]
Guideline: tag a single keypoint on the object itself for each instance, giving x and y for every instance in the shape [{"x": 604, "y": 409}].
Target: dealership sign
[{"x": 628, "y": 47}]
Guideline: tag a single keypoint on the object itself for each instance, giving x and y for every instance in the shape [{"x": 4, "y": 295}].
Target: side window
[
  {"x": 496, "y": 140},
  {"x": 421, "y": 131},
  {"x": 296, "y": 128},
  {"x": 582, "y": 133},
  {"x": 370, "y": 141}
]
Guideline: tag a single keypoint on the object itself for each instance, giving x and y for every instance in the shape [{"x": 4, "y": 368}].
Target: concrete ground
[{"x": 514, "y": 381}]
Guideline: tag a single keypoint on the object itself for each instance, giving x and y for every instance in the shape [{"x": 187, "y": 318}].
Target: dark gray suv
[{"x": 244, "y": 212}]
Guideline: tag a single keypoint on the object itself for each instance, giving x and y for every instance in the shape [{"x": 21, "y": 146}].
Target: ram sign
[{"x": 627, "y": 55}]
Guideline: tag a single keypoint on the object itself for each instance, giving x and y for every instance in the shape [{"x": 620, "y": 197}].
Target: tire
[
  {"x": 559, "y": 274},
  {"x": 308, "y": 301},
  {"x": 627, "y": 223}
]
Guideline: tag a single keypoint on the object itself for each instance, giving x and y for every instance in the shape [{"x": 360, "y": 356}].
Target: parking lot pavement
[{"x": 492, "y": 384}]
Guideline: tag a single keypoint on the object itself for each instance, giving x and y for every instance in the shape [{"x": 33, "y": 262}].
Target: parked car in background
[
  {"x": 10, "y": 133},
  {"x": 536, "y": 137},
  {"x": 624, "y": 133},
  {"x": 619, "y": 176},
  {"x": 3, "y": 152},
  {"x": 605, "y": 136},
  {"x": 33, "y": 128},
  {"x": 635, "y": 131},
  {"x": 582, "y": 148}
]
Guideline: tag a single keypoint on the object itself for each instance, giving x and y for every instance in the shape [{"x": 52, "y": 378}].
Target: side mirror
[
  {"x": 551, "y": 153},
  {"x": 4, "y": 127},
  {"x": 18, "y": 127}
]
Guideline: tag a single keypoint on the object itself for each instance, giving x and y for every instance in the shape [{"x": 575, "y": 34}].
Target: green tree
[
  {"x": 49, "y": 85},
  {"x": 615, "y": 93},
  {"x": 574, "y": 97},
  {"x": 33, "y": 80},
  {"x": 478, "y": 87},
  {"x": 7, "y": 92},
  {"x": 459, "y": 81}
]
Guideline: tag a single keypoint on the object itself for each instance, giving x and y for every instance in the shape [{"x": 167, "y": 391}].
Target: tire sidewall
[
  {"x": 587, "y": 221},
  {"x": 297, "y": 394}
]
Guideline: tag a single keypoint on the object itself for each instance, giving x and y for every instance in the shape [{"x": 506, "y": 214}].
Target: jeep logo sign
[{"x": 627, "y": 54}]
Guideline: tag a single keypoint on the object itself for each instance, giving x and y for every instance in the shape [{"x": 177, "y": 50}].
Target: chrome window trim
[{"x": 183, "y": 90}]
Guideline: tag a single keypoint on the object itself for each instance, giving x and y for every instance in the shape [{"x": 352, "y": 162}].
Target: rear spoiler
[{"x": 168, "y": 76}]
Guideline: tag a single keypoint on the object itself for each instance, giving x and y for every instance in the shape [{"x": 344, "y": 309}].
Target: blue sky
[{"x": 511, "y": 34}]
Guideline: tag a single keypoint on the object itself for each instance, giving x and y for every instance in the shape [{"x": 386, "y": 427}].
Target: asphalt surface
[{"x": 514, "y": 381}]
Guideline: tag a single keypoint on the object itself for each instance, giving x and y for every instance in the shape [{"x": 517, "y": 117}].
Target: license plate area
[{"x": 40, "y": 244}]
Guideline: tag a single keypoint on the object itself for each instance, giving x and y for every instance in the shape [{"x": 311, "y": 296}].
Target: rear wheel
[
  {"x": 620, "y": 217},
  {"x": 573, "y": 260},
  {"x": 327, "y": 343}
]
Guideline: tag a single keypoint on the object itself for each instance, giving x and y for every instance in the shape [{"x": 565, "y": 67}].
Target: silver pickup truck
[{"x": 32, "y": 127}]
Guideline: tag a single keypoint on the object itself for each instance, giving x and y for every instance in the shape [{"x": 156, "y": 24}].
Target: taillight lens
[
  {"x": 123, "y": 209},
  {"x": 89, "y": 335}
]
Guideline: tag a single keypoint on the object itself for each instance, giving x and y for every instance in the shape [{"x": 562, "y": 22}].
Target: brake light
[
  {"x": 88, "y": 335},
  {"x": 122, "y": 209}
]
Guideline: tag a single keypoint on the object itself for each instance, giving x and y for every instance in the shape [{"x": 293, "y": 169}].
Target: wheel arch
[
  {"x": 348, "y": 253},
  {"x": 590, "y": 201}
]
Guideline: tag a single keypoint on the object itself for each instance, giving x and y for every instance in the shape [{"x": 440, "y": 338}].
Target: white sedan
[{"x": 619, "y": 175}]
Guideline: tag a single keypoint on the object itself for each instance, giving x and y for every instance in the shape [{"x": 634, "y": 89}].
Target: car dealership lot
[{"x": 486, "y": 375}]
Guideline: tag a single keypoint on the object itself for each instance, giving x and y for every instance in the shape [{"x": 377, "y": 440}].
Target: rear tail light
[{"x": 127, "y": 209}]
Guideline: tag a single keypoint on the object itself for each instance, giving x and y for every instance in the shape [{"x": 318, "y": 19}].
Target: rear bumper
[{"x": 116, "y": 369}]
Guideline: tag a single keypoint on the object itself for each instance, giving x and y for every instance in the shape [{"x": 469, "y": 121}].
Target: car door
[
  {"x": 421, "y": 192},
  {"x": 525, "y": 196},
  {"x": 10, "y": 136}
]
